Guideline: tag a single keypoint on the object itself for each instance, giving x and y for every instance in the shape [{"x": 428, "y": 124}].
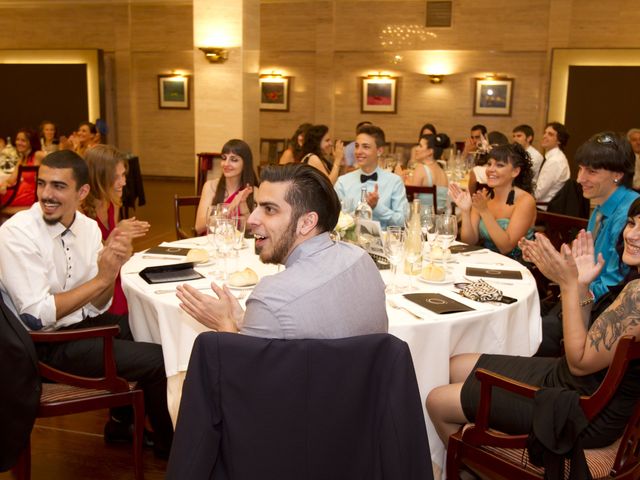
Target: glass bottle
[
  {"x": 363, "y": 211},
  {"x": 413, "y": 241}
]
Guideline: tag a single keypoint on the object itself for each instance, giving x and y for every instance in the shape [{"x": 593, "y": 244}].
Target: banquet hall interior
[{"x": 122, "y": 61}]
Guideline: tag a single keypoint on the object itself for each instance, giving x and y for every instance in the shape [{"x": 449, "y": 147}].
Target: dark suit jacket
[
  {"x": 300, "y": 409},
  {"x": 21, "y": 387}
]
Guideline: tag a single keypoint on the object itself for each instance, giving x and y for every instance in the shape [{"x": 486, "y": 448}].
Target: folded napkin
[
  {"x": 437, "y": 303},
  {"x": 481, "y": 291}
]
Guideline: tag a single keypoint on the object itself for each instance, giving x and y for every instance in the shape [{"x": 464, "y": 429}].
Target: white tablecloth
[{"x": 509, "y": 329}]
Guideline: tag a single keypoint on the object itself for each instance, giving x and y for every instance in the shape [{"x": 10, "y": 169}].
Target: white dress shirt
[
  {"x": 536, "y": 159},
  {"x": 552, "y": 175},
  {"x": 38, "y": 260}
]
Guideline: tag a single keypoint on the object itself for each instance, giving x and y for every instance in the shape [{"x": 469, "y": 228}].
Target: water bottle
[{"x": 363, "y": 211}]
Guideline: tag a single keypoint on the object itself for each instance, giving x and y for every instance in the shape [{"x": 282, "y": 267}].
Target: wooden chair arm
[
  {"x": 110, "y": 381},
  {"x": 480, "y": 434}
]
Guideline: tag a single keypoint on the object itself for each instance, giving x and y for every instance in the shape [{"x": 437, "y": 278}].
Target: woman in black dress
[{"x": 588, "y": 352}]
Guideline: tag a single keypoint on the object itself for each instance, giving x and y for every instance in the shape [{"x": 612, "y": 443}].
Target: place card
[
  {"x": 165, "y": 250},
  {"x": 437, "y": 303},
  {"x": 494, "y": 273}
]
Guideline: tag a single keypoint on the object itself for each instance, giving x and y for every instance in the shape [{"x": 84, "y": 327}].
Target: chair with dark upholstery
[
  {"x": 291, "y": 409},
  {"x": 72, "y": 394},
  {"x": 559, "y": 229},
  {"x": 496, "y": 455},
  {"x": 270, "y": 150},
  {"x": 6, "y": 209},
  {"x": 180, "y": 202}
]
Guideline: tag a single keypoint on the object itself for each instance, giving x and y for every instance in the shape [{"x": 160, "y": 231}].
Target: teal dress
[
  {"x": 441, "y": 193},
  {"x": 516, "y": 253}
]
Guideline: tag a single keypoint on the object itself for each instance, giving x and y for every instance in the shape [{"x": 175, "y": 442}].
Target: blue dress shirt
[
  {"x": 614, "y": 217},
  {"x": 392, "y": 205}
]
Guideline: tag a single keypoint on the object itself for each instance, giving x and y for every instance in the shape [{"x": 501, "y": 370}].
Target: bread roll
[
  {"x": 197, "y": 255},
  {"x": 433, "y": 273},
  {"x": 245, "y": 278}
]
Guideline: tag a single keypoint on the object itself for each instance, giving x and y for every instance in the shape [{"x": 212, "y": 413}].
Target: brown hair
[{"x": 102, "y": 161}]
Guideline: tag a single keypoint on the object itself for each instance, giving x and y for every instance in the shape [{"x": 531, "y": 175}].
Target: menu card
[
  {"x": 178, "y": 272},
  {"x": 494, "y": 273},
  {"x": 437, "y": 303},
  {"x": 464, "y": 248},
  {"x": 162, "y": 250}
]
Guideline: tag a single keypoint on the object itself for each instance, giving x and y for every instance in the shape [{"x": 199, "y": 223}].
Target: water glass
[
  {"x": 428, "y": 225},
  {"x": 393, "y": 249},
  {"x": 224, "y": 237},
  {"x": 447, "y": 228}
]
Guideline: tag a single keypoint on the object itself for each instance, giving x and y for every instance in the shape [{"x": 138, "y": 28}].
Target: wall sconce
[
  {"x": 436, "y": 79},
  {"x": 215, "y": 54}
]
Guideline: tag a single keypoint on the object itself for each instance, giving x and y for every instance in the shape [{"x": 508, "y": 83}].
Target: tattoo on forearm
[{"x": 623, "y": 314}]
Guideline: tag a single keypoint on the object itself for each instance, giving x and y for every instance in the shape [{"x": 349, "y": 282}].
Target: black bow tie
[{"x": 373, "y": 176}]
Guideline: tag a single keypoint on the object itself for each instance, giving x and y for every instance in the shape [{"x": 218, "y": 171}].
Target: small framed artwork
[
  {"x": 274, "y": 93},
  {"x": 378, "y": 95},
  {"x": 173, "y": 91},
  {"x": 493, "y": 96}
]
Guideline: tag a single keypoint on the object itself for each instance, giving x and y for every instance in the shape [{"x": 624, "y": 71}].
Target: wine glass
[
  {"x": 428, "y": 226},
  {"x": 412, "y": 251},
  {"x": 224, "y": 237},
  {"x": 393, "y": 246},
  {"x": 447, "y": 228}
]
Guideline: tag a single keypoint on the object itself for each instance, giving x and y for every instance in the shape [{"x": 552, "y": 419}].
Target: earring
[{"x": 616, "y": 180}]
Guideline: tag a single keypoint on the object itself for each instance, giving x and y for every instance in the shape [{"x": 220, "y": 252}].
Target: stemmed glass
[
  {"x": 412, "y": 251},
  {"x": 393, "y": 247},
  {"x": 428, "y": 226},
  {"x": 224, "y": 237},
  {"x": 447, "y": 228}
]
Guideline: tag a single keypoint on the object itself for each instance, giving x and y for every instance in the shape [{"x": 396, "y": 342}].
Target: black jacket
[{"x": 300, "y": 409}]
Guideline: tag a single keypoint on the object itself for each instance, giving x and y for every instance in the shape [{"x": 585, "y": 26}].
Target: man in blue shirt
[
  {"x": 606, "y": 166},
  {"x": 350, "y": 148},
  {"x": 386, "y": 194}
]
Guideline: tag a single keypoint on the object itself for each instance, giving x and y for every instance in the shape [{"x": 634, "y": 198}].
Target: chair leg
[
  {"x": 138, "y": 432},
  {"x": 22, "y": 469},
  {"x": 453, "y": 472}
]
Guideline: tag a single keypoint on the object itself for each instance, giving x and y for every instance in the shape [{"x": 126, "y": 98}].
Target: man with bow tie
[{"x": 386, "y": 194}]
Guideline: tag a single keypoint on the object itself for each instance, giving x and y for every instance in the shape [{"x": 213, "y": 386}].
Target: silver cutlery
[{"x": 393, "y": 304}]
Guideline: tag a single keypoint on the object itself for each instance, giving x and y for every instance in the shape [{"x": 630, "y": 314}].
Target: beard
[{"x": 281, "y": 249}]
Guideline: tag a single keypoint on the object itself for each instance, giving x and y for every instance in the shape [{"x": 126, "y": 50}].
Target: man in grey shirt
[{"x": 328, "y": 290}]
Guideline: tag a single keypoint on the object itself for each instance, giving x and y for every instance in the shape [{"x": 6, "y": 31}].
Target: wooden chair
[
  {"x": 6, "y": 209},
  {"x": 559, "y": 229},
  {"x": 72, "y": 394},
  {"x": 178, "y": 203},
  {"x": 404, "y": 149},
  {"x": 497, "y": 455},
  {"x": 206, "y": 162},
  {"x": 412, "y": 193},
  {"x": 271, "y": 149}
]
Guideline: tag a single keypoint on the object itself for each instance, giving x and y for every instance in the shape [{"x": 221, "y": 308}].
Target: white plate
[
  {"x": 246, "y": 287},
  {"x": 435, "y": 282}
]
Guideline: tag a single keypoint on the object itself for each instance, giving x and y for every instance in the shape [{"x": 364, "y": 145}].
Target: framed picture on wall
[
  {"x": 378, "y": 95},
  {"x": 173, "y": 91},
  {"x": 274, "y": 93},
  {"x": 493, "y": 96}
]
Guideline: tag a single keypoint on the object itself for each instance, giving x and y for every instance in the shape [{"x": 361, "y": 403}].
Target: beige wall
[
  {"x": 325, "y": 45},
  {"x": 140, "y": 40},
  {"x": 512, "y": 38}
]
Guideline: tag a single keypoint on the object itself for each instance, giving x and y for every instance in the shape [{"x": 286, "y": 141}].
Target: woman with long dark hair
[
  {"x": 235, "y": 185},
  {"x": 500, "y": 218},
  {"x": 293, "y": 153},
  {"x": 317, "y": 148},
  {"x": 29, "y": 153}
]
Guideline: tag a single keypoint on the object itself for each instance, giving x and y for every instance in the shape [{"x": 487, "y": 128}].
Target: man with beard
[
  {"x": 328, "y": 290},
  {"x": 55, "y": 274}
]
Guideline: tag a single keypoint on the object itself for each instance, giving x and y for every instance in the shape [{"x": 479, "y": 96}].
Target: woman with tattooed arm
[{"x": 588, "y": 350}]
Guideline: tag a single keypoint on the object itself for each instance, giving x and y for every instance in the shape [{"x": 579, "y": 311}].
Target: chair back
[
  {"x": 413, "y": 192},
  {"x": 559, "y": 228},
  {"x": 180, "y": 202},
  {"x": 270, "y": 150},
  {"x": 206, "y": 163},
  {"x": 291, "y": 409}
]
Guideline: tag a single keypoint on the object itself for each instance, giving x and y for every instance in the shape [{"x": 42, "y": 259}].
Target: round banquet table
[{"x": 514, "y": 329}]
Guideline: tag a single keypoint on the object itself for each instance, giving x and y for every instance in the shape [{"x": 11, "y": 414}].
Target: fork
[{"x": 393, "y": 304}]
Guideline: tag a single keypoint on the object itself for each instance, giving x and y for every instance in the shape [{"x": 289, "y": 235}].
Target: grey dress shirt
[{"x": 328, "y": 290}]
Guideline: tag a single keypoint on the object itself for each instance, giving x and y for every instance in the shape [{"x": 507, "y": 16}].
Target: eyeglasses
[{"x": 606, "y": 139}]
